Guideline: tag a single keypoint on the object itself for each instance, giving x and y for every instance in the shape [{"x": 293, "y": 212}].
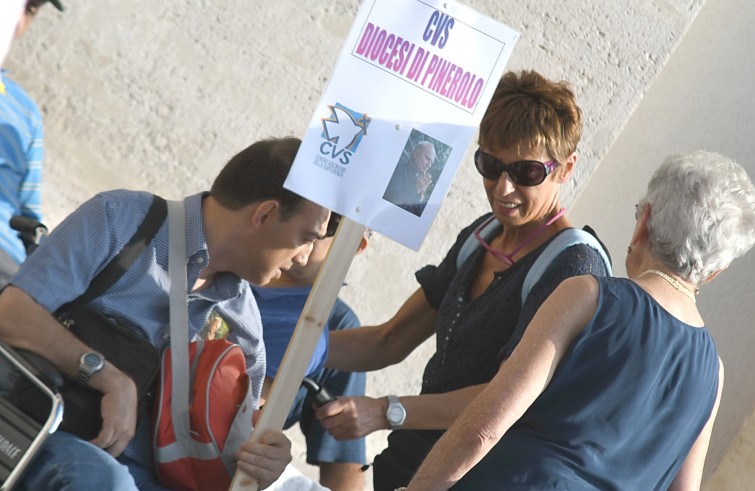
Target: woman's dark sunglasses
[{"x": 522, "y": 172}]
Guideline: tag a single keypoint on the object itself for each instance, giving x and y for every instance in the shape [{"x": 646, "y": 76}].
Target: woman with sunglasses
[
  {"x": 528, "y": 139},
  {"x": 616, "y": 382}
]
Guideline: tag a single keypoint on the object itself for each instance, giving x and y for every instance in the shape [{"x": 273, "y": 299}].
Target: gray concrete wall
[{"x": 158, "y": 95}]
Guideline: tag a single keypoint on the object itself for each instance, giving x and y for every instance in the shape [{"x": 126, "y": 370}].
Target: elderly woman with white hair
[{"x": 616, "y": 382}]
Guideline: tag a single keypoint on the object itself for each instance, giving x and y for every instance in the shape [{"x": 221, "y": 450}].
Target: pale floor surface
[{"x": 736, "y": 472}]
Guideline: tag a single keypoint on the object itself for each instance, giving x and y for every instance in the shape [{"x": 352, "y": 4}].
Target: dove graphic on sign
[{"x": 344, "y": 128}]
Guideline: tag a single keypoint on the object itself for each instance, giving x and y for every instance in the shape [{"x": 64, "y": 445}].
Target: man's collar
[{"x": 196, "y": 240}]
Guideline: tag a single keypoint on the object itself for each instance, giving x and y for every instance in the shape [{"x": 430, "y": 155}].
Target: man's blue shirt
[{"x": 84, "y": 243}]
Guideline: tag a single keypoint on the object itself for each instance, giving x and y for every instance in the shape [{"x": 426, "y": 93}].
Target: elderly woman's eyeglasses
[
  {"x": 522, "y": 172},
  {"x": 638, "y": 208}
]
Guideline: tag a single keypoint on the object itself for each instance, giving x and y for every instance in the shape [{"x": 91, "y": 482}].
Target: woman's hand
[
  {"x": 267, "y": 459},
  {"x": 353, "y": 417}
]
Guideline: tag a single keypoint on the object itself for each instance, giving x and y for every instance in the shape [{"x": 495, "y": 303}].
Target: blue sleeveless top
[{"x": 623, "y": 409}]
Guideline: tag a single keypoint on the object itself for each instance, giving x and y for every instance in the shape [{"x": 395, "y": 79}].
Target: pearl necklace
[{"x": 673, "y": 282}]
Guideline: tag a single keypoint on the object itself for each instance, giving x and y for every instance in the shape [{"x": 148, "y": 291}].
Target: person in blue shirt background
[
  {"x": 21, "y": 154},
  {"x": 280, "y": 303}
]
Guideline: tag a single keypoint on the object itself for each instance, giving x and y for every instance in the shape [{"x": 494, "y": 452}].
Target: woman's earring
[{"x": 629, "y": 250}]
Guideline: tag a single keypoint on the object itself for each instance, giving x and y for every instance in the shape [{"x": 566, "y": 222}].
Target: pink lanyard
[{"x": 509, "y": 258}]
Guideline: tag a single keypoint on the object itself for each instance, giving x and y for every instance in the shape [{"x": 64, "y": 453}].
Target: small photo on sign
[{"x": 417, "y": 172}]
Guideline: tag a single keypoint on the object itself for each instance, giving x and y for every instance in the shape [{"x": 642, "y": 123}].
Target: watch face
[
  {"x": 395, "y": 415},
  {"x": 92, "y": 360},
  {"x": 90, "y": 363}
]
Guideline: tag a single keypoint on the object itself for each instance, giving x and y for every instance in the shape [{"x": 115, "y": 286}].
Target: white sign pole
[{"x": 308, "y": 330}]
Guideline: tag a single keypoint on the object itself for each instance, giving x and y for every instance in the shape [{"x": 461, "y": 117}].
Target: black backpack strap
[
  {"x": 592, "y": 232},
  {"x": 152, "y": 222}
]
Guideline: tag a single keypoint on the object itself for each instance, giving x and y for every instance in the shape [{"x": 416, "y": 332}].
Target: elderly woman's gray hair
[{"x": 702, "y": 214}]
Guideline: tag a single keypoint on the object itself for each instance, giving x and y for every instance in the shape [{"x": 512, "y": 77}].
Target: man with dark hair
[
  {"x": 21, "y": 153},
  {"x": 235, "y": 187},
  {"x": 235, "y": 235}
]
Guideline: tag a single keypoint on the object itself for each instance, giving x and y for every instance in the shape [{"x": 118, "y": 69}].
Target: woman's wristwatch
[{"x": 396, "y": 413}]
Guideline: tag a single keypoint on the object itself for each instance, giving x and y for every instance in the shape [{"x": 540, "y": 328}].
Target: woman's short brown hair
[{"x": 528, "y": 111}]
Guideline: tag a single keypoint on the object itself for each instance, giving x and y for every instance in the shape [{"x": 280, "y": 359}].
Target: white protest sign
[{"x": 409, "y": 89}]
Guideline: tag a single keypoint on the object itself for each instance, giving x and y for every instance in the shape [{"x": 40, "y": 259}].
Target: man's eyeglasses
[
  {"x": 332, "y": 226},
  {"x": 522, "y": 172}
]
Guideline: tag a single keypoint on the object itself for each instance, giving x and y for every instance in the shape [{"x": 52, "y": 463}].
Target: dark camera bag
[{"x": 122, "y": 347}]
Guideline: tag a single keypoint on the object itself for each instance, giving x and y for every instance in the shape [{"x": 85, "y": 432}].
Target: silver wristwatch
[
  {"x": 396, "y": 413},
  {"x": 90, "y": 363}
]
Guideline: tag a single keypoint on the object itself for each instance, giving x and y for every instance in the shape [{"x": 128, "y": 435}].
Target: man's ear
[{"x": 262, "y": 212}]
